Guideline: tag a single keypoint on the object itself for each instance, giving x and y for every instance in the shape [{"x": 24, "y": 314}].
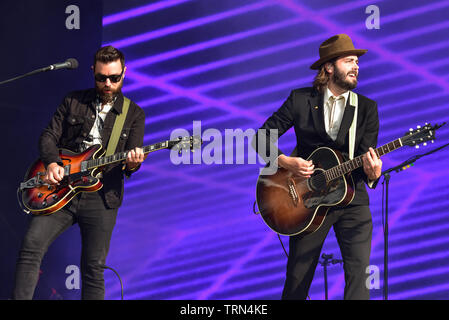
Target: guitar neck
[
  {"x": 121, "y": 156},
  {"x": 357, "y": 162}
]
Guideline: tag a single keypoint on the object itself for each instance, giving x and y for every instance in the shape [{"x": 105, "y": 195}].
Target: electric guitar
[
  {"x": 291, "y": 205},
  {"x": 81, "y": 174}
]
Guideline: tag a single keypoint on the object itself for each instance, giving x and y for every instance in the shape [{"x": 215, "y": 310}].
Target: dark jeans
[
  {"x": 96, "y": 223},
  {"x": 353, "y": 229}
]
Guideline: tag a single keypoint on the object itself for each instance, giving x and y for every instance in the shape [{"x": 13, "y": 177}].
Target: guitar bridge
[{"x": 292, "y": 191}]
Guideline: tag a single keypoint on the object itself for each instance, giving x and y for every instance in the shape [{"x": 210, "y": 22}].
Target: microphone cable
[
  {"x": 279, "y": 237},
  {"x": 116, "y": 273},
  {"x": 282, "y": 244}
]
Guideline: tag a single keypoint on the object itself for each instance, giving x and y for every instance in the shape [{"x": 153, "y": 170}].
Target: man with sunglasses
[{"x": 83, "y": 119}]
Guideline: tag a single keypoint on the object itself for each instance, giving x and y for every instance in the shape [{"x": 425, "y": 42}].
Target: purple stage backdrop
[{"x": 188, "y": 231}]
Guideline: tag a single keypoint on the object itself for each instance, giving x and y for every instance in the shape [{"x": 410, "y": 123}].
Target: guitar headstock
[
  {"x": 420, "y": 135},
  {"x": 185, "y": 143}
]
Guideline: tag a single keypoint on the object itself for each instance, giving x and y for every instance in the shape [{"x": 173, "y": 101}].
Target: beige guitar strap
[
  {"x": 353, "y": 101},
  {"x": 117, "y": 129}
]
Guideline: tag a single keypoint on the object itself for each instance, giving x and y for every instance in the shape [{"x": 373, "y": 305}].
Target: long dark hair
[{"x": 322, "y": 77}]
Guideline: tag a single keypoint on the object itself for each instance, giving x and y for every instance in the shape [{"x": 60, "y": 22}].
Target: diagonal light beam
[
  {"x": 151, "y": 35},
  {"x": 381, "y": 51},
  {"x": 195, "y": 96},
  {"x": 136, "y": 12}
]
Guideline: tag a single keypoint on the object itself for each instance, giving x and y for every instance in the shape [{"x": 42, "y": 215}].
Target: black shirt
[{"x": 71, "y": 124}]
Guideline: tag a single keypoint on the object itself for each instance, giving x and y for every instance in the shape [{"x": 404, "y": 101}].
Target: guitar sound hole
[{"x": 318, "y": 181}]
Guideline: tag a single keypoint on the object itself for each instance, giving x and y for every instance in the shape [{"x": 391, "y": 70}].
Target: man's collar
[
  {"x": 117, "y": 104},
  {"x": 328, "y": 94}
]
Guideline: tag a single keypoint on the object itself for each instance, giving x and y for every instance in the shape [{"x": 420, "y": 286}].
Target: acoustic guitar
[{"x": 292, "y": 205}]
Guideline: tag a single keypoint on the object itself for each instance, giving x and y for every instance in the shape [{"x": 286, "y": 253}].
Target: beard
[
  {"x": 340, "y": 79},
  {"x": 108, "y": 97}
]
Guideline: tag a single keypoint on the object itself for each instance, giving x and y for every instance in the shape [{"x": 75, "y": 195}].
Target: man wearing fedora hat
[{"x": 322, "y": 116}]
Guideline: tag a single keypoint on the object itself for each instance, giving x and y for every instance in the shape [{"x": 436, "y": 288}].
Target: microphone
[{"x": 68, "y": 64}]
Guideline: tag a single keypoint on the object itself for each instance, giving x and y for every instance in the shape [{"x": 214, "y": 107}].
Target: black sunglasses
[{"x": 113, "y": 77}]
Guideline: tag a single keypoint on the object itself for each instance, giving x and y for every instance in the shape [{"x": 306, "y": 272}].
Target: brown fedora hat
[{"x": 336, "y": 46}]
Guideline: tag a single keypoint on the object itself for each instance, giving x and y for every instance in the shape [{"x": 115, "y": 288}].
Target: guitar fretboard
[
  {"x": 121, "y": 156},
  {"x": 348, "y": 166}
]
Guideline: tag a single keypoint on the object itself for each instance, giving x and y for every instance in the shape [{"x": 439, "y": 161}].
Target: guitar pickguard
[{"x": 333, "y": 193}]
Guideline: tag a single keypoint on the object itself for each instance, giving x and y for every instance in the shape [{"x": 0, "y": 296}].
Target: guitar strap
[
  {"x": 353, "y": 101},
  {"x": 117, "y": 128}
]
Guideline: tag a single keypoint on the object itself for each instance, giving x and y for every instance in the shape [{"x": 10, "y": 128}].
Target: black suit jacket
[
  {"x": 304, "y": 111},
  {"x": 71, "y": 124}
]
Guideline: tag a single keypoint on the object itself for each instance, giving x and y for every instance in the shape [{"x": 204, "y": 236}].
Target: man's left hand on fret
[
  {"x": 372, "y": 165},
  {"x": 134, "y": 158}
]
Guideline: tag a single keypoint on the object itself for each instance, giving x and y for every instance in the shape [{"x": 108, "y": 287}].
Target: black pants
[
  {"x": 353, "y": 229},
  {"x": 96, "y": 223}
]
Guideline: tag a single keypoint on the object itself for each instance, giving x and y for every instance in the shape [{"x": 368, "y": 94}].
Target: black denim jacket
[{"x": 71, "y": 124}]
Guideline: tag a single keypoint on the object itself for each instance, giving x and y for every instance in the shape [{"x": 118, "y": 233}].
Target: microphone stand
[
  {"x": 327, "y": 260},
  {"x": 401, "y": 167},
  {"x": 26, "y": 75},
  {"x": 69, "y": 63}
]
